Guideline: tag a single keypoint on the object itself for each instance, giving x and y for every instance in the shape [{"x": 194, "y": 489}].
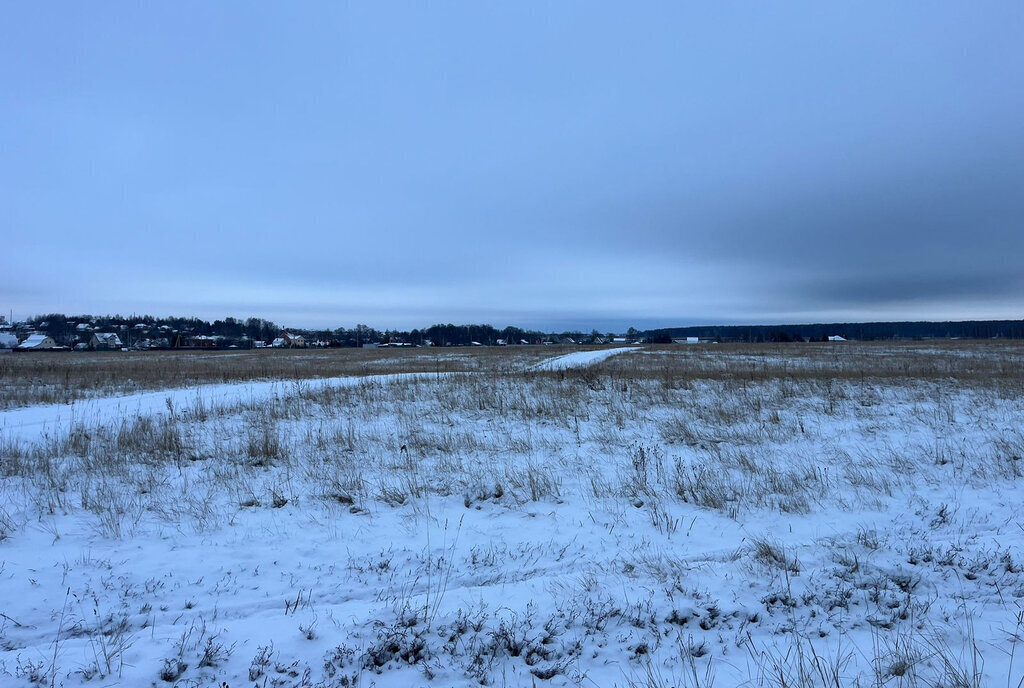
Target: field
[
  {"x": 57, "y": 378},
  {"x": 710, "y": 515}
]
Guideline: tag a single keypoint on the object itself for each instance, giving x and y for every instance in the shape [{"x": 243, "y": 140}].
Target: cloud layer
[{"x": 531, "y": 165}]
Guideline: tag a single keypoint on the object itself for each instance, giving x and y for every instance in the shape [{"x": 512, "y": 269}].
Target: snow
[
  {"x": 443, "y": 530},
  {"x": 580, "y": 359},
  {"x": 39, "y": 422},
  {"x": 27, "y": 424}
]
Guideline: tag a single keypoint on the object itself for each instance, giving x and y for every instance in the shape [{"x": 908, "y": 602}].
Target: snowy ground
[
  {"x": 595, "y": 526},
  {"x": 52, "y": 420},
  {"x": 580, "y": 359}
]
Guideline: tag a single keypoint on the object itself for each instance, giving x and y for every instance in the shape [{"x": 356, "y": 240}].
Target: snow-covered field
[{"x": 669, "y": 517}]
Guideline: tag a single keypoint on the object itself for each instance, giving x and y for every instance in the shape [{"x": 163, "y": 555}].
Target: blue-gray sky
[{"x": 554, "y": 165}]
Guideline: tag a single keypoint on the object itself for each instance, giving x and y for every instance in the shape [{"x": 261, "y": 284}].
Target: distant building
[
  {"x": 105, "y": 341},
  {"x": 37, "y": 342},
  {"x": 8, "y": 341},
  {"x": 836, "y": 338},
  {"x": 203, "y": 341},
  {"x": 289, "y": 341},
  {"x": 188, "y": 341}
]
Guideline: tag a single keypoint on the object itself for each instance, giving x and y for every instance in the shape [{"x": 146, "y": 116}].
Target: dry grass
[
  {"x": 730, "y": 429},
  {"x": 63, "y": 377},
  {"x": 967, "y": 362}
]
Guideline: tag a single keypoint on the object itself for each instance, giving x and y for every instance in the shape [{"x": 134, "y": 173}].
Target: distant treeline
[
  {"x": 69, "y": 329},
  {"x": 970, "y": 329}
]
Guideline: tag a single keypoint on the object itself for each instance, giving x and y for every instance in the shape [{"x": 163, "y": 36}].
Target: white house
[
  {"x": 836, "y": 338},
  {"x": 37, "y": 342}
]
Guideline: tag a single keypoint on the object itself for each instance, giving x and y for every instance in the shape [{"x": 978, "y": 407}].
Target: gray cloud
[
  {"x": 948, "y": 227},
  {"x": 865, "y": 290}
]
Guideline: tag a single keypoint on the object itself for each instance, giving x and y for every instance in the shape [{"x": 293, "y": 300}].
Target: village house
[
  {"x": 37, "y": 342},
  {"x": 189, "y": 341},
  {"x": 289, "y": 341},
  {"x": 105, "y": 341}
]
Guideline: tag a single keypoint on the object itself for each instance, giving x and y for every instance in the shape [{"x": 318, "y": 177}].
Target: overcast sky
[{"x": 551, "y": 164}]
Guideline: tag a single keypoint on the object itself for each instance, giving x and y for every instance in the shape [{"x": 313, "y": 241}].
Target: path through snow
[
  {"x": 34, "y": 423},
  {"x": 580, "y": 359}
]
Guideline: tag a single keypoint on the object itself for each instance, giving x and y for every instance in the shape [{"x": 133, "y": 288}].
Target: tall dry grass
[{"x": 63, "y": 377}]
